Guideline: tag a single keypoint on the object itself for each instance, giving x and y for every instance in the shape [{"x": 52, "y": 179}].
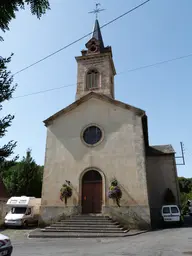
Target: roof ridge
[{"x": 96, "y": 95}]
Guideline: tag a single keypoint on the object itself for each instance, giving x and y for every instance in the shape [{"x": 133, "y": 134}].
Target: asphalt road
[{"x": 169, "y": 242}]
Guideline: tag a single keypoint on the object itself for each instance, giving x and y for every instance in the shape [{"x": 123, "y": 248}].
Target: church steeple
[
  {"x": 97, "y": 33},
  {"x": 96, "y": 68},
  {"x": 95, "y": 44}
]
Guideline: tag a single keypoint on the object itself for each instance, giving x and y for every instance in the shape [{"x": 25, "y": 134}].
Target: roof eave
[
  {"x": 91, "y": 56},
  {"x": 75, "y": 104}
]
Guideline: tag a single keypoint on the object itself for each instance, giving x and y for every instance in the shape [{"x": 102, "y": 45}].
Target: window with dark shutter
[{"x": 92, "y": 79}]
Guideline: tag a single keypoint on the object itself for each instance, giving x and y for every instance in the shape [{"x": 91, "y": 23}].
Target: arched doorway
[{"x": 91, "y": 192}]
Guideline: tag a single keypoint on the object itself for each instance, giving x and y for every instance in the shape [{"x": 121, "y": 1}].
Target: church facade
[{"x": 98, "y": 139}]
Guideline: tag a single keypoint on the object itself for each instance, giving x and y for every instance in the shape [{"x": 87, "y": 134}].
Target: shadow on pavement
[
  {"x": 187, "y": 224},
  {"x": 17, "y": 228}
]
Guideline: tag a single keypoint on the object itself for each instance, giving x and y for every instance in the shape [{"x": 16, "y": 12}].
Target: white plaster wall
[{"x": 120, "y": 155}]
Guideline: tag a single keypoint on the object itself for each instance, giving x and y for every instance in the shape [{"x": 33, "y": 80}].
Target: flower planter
[
  {"x": 65, "y": 193},
  {"x": 115, "y": 192}
]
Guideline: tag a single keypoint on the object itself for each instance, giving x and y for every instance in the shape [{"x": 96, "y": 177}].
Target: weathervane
[{"x": 97, "y": 10}]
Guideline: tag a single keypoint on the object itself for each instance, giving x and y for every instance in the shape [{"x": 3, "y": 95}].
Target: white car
[
  {"x": 171, "y": 214},
  {"x": 5, "y": 246}
]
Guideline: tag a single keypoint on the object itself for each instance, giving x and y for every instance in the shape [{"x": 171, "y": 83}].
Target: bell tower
[{"x": 95, "y": 67}]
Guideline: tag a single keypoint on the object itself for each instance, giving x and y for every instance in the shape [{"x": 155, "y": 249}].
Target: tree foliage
[
  {"x": 185, "y": 184},
  {"x": 24, "y": 178},
  {"x": 8, "y": 9},
  {"x": 6, "y": 91}
]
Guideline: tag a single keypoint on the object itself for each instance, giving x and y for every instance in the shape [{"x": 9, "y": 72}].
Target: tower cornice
[{"x": 98, "y": 56}]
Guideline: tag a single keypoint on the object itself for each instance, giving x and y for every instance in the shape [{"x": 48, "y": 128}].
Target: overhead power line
[
  {"x": 157, "y": 63},
  {"x": 77, "y": 40},
  {"x": 120, "y": 73},
  {"x": 43, "y": 91}
]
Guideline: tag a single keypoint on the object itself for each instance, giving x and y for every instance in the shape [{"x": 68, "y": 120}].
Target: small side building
[{"x": 161, "y": 176}]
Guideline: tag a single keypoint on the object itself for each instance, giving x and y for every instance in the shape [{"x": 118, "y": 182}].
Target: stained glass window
[{"x": 92, "y": 135}]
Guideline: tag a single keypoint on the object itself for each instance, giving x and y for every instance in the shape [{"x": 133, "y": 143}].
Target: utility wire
[
  {"x": 157, "y": 63},
  {"x": 120, "y": 73},
  {"x": 43, "y": 91},
  {"x": 66, "y": 46}
]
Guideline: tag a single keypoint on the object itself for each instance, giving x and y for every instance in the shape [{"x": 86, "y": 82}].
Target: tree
[
  {"x": 185, "y": 184},
  {"x": 8, "y": 9},
  {"x": 24, "y": 178},
  {"x": 6, "y": 91}
]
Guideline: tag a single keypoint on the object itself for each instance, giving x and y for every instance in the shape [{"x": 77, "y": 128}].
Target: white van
[
  {"x": 24, "y": 211},
  {"x": 171, "y": 214}
]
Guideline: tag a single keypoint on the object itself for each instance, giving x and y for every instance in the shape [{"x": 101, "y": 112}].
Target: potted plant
[
  {"x": 65, "y": 192},
  {"x": 115, "y": 192}
]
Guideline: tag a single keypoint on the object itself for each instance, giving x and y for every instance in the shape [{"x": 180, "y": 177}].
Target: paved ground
[{"x": 168, "y": 242}]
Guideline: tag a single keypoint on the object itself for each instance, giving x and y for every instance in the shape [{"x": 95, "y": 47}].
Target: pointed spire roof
[{"x": 97, "y": 33}]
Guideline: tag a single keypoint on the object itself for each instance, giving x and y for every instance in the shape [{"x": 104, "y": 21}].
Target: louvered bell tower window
[{"x": 92, "y": 80}]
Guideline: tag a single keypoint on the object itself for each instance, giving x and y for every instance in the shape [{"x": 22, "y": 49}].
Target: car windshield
[
  {"x": 166, "y": 210},
  {"x": 16, "y": 210},
  {"x": 174, "y": 209}
]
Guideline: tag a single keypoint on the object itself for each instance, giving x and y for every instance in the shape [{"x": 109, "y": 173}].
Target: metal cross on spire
[{"x": 97, "y": 10}]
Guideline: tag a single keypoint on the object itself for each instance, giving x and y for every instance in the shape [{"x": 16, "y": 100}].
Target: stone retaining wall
[{"x": 131, "y": 217}]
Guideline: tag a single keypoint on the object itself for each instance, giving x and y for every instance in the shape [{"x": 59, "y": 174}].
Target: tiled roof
[{"x": 160, "y": 150}]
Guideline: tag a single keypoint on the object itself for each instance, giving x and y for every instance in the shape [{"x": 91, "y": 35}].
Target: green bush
[{"x": 184, "y": 198}]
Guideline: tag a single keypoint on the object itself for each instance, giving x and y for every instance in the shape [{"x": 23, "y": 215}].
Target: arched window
[
  {"x": 92, "y": 176},
  {"x": 92, "y": 79}
]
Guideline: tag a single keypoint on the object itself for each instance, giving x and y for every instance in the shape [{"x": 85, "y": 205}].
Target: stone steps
[
  {"x": 82, "y": 226},
  {"x": 83, "y": 231},
  {"x": 40, "y": 234},
  {"x": 88, "y": 219},
  {"x": 83, "y": 217},
  {"x": 76, "y": 222}
]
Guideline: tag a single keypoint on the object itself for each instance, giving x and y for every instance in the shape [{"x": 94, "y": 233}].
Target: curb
[
  {"x": 136, "y": 233},
  {"x": 40, "y": 235}
]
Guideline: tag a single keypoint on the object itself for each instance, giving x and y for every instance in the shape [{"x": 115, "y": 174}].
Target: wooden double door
[{"x": 91, "y": 192}]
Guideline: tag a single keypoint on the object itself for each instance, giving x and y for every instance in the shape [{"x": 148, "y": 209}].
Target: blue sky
[{"x": 158, "y": 31}]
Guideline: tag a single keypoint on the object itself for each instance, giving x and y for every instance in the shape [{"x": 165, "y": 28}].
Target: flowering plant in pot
[
  {"x": 65, "y": 192},
  {"x": 115, "y": 192}
]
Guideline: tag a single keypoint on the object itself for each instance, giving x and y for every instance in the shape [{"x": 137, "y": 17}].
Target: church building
[{"x": 98, "y": 140}]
